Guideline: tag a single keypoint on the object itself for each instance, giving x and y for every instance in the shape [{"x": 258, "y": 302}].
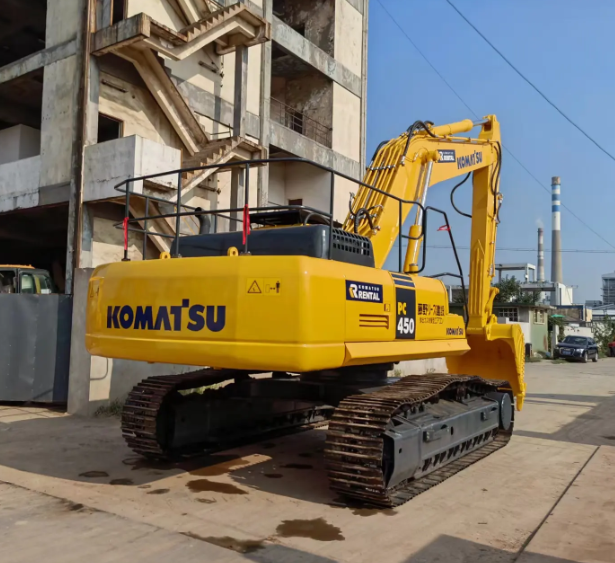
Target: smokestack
[
  {"x": 541, "y": 255},
  {"x": 556, "y": 241}
]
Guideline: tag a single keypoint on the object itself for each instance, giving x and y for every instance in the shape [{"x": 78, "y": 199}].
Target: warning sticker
[
  {"x": 264, "y": 286},
  {"x": 254, "y": 286}
]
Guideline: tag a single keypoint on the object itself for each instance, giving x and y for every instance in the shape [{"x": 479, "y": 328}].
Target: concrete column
[
  {"x": 241, "y": 91},
  {"x": 265, "y": 108},
  {"x": 237, "y": 196},
  {"x": 80, "y": 359},
  {"x": 362, "y": 156},
  {"x": 91, "y": 133},
  {"x": 103, "y": 13},
  {"x": 64, "y": 121},
  {"x": 87, "y": 237}
]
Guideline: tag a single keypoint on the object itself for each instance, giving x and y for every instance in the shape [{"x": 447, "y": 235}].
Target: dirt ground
[{"x": 70, "y": 490}]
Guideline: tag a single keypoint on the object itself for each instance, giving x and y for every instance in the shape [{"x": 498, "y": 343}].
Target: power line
[
  {"x": 450, "y": 87},
  {"x": 540, "y": 93},
  {"x": 562, "y": 204},
  {"x": 403, "y": 31},
  {"x": 509, "y": 249}
]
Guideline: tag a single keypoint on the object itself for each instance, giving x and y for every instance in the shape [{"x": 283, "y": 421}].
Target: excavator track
[
  {"x": 146, "y": 428},
  {"x": 354, "y": 452}
]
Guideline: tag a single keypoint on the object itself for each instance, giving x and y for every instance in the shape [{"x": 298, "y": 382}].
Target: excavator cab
[{"x": 298, "y": 320}]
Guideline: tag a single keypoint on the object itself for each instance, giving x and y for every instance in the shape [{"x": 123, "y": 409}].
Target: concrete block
[
  {"x": 420, "y": 367},
  {"x": 107, "y": 164}
]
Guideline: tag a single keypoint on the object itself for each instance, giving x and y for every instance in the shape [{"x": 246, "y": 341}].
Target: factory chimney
[
  {"x": 541, "y": 255},
  {"x": 556, "y": 241}
]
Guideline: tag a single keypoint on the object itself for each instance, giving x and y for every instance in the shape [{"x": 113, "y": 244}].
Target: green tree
[
  {"x": 556, "y": 322},
  {"x": 604, "y": 332},
  {"x": 511, "y": 292}
]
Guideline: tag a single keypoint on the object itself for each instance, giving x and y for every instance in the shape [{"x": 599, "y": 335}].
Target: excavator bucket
[{"x": 498, "y": 353}]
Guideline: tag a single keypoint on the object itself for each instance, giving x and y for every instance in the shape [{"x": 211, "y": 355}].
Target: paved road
[{"x": 71, "y": 491}]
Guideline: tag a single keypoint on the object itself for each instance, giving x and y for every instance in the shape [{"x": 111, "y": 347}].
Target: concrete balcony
[
  {"x": 297, "y": 144},
  {"x": 112, "y": 162},
  {"x": 19, "y": 184}
]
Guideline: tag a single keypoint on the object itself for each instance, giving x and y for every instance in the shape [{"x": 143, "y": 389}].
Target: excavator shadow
[
  {"x": 93, "y": 451},
  {"x": 584, "y": 419},
  {"x": 291, "y": 466}
]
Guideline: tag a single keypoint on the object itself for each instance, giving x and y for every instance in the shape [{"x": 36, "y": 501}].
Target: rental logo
[
  {"x": 470, "y": 159},
  {"x": 446, "y": 155},
  {"x": 143, "y": 318},
  {"x": 357, "y": 291}
]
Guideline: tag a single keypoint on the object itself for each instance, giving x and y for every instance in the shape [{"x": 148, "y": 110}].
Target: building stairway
[{"x": 144, "y": 41}]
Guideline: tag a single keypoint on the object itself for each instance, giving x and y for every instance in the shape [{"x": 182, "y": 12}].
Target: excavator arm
[{"x": 405, "y": 168}]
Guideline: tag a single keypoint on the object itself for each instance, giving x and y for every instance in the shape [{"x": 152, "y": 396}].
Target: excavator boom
[{"x": 406, "y": 168}]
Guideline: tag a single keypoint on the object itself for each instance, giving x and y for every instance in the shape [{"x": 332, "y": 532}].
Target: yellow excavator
[{"x": 300, "y": 325}]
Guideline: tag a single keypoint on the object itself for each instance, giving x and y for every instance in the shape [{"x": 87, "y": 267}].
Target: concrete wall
[
  {"x": 137, "y": 109},
  {"x": 227, "y": 91},
  {"x": 277, "y": 184},
  {"x": 346, "y": 123},
  {"x": 63, "y": 21},
  {"x": 539, "y": 334},
  {"x": 201, "y": 76},
  {"x": 314, "y": 19},
  {"x": 108, "y": 243},
  {"x": 575, "y": 330},
  {"x": 526, "y": 327},
  {"x": 310, "y": 94},
  {"x": 19, "y": 184},
  {"x": 349, "y": 30},
  {"x": 308, "y": 183},
  {"x": 19, "y": 142},
  {"x": 302, "y": 181},
  {"x": 158, "y": 10}
]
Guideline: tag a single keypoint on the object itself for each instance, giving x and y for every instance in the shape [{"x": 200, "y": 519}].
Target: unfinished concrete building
[{"x": 93, "y": 92}]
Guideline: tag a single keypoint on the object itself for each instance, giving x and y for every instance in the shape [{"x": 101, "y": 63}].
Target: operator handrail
[{"x": 125, "y": 188}]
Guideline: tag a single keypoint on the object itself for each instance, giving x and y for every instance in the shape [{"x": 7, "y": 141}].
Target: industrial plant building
[{"x": 93, "y": 92}]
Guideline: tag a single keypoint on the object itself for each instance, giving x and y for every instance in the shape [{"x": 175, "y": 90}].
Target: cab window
[
  {"x": 44, "y": 285},
  {"x": 7, "y": 282},
  {"x": 27, "y": 284}
]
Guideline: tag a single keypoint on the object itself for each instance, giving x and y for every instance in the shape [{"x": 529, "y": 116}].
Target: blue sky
[{"x": 565, "y": 48}]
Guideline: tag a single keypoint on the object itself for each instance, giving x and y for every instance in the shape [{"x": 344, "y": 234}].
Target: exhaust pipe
[{"x": 204, "y": 221}]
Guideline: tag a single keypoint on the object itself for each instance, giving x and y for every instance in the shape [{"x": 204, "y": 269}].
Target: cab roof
[{"x": 16, "y": 266}]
